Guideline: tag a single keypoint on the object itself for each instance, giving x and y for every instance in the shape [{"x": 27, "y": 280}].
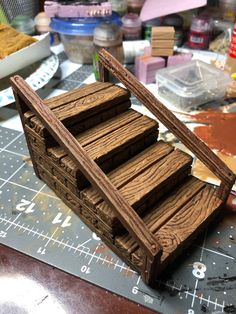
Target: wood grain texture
[
  {"x": 94, "y": 133},
  {"x": 165, "y": 52},
  {"x": 111, "y": 195},
  {"x": 178, "y": 232},
  {"x": 80, "y": 182},
  {"x": 163, "y": 32},
  {"x": 156, "y": 184},
  {"x": 68, "y": 97},
  {"x": 85, "y": 107},
  {"x": 192, "y": 142},
  {"x": 166, "y": 208},
  {"x": 158, "y": 177},
  {"x": 163, "y": 43},
  {"x": 109, "y": 145},
  {"x": 128, "y": 171},
  {"x": 82, "y": 126}
]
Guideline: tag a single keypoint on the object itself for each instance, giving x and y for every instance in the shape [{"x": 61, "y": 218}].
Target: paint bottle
[
  {"x": 109, "y": 36},
  {"x": 230, "y": 64},
  {"x": 200, "y": 32},
  {"x": 119, "y": 6},
  {"x": 135, "y": 6},
  {"x": 131, "y": 26},
  {"x": 177, "y": 22}
]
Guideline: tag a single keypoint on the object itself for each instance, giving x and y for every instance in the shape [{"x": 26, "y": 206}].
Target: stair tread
[
  {"x": 150, "y": 183},
  {"x": 174, "y": 235},
  {"x": 187, "y": 220},
  {"x": 70, "y": 96},
  {"x": 103, "y": 148},
  {"x": 98, "y": 131},
  {"x": 166, "y": 208},
  {"x": 129, "y": 170},
  {"x": 82, "y": 108}
]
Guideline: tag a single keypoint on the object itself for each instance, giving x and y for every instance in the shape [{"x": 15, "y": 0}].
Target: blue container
[{"x": 77, "y": 35}]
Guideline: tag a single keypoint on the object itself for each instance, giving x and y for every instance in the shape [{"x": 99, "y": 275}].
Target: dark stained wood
[
  {"x": 192, "y": 142},
  {"x": 148, "y": 178},
  {"x": 94, "y": 133},
  {"x": 111, "y": 195},
  {"x": 104, "y": 148},
  {"x": 183, "y": 227},
  {"x": 82, "y": 108},
  {"x": 128, "y": 171},
  {"x": 164, "y": 210},
  {"x": 158, "y": 178},
  {"x": 68, "y": 97}
]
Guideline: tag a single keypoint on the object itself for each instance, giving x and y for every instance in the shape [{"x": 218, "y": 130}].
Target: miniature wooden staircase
[{"x": 147, "y": 207}]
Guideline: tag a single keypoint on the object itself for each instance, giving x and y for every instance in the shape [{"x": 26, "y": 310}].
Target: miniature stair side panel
[
  {"x": 198, "y": 147},
  {"x": 127, "y": 216}
]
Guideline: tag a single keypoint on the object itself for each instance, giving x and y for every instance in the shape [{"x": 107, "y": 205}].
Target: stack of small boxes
[
  {"x": 159, "y": 55},
  {"x": 163, "y": 41}
]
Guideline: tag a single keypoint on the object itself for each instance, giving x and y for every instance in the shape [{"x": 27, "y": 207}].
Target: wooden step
[
  {"x": 98, "y": 131},
  {"x": 114, "y": 148},
  {"x": 128, "y": 171},
  {"x": 146, "y": 188},
  {"x": 89, "y": 103},
  {"x": 180, "y": 230},
  {"x": 164, "y": 210}
]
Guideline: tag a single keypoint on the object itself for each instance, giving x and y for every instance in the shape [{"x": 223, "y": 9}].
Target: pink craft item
[
  {"x": 156, "y": 8},
  {"x": 146, "y": 66}
]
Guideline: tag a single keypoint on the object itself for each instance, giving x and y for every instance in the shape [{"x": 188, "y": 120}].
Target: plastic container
[
  {"x": 131, "y": 27},
  {"x": 77, "y": 35},
  {"x": 109, "y": 36},
  {"x": 192, "y": 84},
  {"x": 23, "y": 24}
]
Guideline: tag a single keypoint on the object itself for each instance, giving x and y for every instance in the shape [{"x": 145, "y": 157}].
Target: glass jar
[
  {"x": 131, "y": 26},
  {"x": 109, "y": 36},
  {"x": 200, "y": 32},
  {"x": 228, "y": 9},
  {"x": 148, "y": 25}
]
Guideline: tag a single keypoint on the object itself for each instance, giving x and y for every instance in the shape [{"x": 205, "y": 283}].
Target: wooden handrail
[
  {"x": 128, "y": 217},
  {"x": 166, "y": 117}
]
